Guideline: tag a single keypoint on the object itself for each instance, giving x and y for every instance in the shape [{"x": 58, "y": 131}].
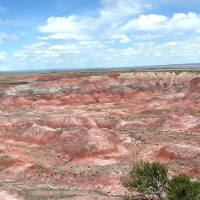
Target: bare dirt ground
[{"x": 75, "y": 135}]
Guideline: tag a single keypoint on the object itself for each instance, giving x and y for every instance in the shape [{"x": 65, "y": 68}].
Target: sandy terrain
[{"x": 75, "y": 135}]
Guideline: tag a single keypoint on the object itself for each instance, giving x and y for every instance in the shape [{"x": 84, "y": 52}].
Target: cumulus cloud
[
  {"x": 120, "y": 21},
  {"x": 72, "y": 27},
  {"x": 110, "y": 16},
  {"x": 185, "y": 22},
  {"x": 69, "y": 24},
  {"x": 150, "y": 22},
  {"x": 180, "y": 22}
]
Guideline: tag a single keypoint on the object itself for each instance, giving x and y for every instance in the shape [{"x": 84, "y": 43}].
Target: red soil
[{"x": 180, "y": 151}]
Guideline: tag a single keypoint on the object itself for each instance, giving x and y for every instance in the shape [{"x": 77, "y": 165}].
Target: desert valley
[{"x": 75, "y": 135}]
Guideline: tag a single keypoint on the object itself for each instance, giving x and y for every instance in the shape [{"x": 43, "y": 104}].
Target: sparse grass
[
  {"x": 54, "y": 194},
  {"x": 137, "y": 116},
  {"x": 111, "y": 117}
]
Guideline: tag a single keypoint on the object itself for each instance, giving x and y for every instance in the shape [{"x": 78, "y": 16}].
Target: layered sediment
[{"x": 80, "y": 132}]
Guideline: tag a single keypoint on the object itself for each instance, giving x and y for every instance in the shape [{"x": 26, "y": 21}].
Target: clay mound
[
  {"x": 182, "y": 152},
  {"x": 5, "y": 126},
  {"x": 124, "y": 92},
  {"x": 140, "y": 95},
  {"x": 195, "y": 129},
  {"x": 110, "y": 123},
  {"x": 193, "y": 172},
  {"x": 33, "y": 133},
  {"x": 106, "y": 97},
  {"x": 93, "y": 143},
  {"x": 194, "y": 93},
  {"x": 194, "y": 90},
  {"x": 86, "y": 87},
  {"x": 195, "y": 81},
  {"x": 7, "y": 161},
  {"x": 68, "y": 122},
  {"x": 13, "y": 102},
  {"x": 36, "y": 171},
  {"x": 59, "y": 122},
  {"x": 4, "y": 195},
  {"x": 177, "y": 123},
  {"x": 114, "y": 75}
]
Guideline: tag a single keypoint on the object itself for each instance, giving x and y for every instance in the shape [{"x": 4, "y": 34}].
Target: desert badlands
[{"x": 75, "y": 135}]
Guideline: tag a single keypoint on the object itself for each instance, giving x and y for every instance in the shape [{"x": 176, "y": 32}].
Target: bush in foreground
[
  {"x": 182, "y": 188},
  {"x": 151, "y": 182}
]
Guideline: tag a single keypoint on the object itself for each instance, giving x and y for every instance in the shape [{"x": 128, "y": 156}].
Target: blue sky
[{"x": 72, "y": 34}]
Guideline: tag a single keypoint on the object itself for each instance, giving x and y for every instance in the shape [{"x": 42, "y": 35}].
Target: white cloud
[
  {"x": 39, "y": 45},
  {"x": 91, "y": 44},
  {"x": 122, "y": 38},
  {"x": 115, "y": 9},
  {"x": 171, "y": 43},
  {"x": 62, "y": 25},
  {"x": 86, "y": 54},
  {"x": 111, "y": 15},
  {"x": 63, "y": 36},
  {"x": 21, "y": 56},
  {"x": 3, "y": 56},
  {"x": 146, "y": 23},
  {"x": 64, "y": 49},
  {"x": 185, "y": 22},
  {"x": 146, "y": 36},
  {"x": 45, "y": 53},
  {"x": 72, "y": 27},
  {"x": 112, "y": 23},
  {"x": 179, "y": 23}
]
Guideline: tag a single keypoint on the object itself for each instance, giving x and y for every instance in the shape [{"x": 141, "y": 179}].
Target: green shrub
[
  {"x": 182, "y": 188},
  {"x": 151, "y": 181}
]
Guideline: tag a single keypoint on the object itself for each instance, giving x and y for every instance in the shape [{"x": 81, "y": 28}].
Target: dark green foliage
[
  {"x": 182, "y": 188},
  {"x": 150, "y": 180}
]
